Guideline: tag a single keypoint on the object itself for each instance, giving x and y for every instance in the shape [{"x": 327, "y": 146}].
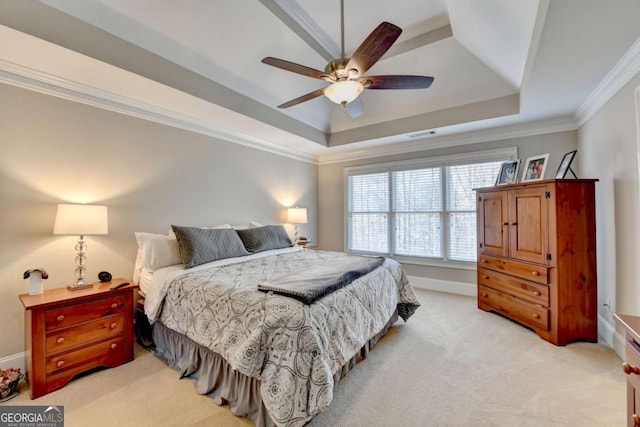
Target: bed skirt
[{"x": 214, "y": 377}]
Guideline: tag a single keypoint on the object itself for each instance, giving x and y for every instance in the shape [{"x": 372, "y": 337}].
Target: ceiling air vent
[{"x": 422, "y": 134}]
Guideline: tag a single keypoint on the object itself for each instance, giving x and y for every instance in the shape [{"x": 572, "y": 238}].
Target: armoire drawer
[
  {"x": 526, "y": 313},
  {"x": 524, "y": 270},
  {"x": 523, "y": 289}
]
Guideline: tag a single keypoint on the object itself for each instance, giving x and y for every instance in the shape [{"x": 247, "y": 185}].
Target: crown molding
[
  {"x": 519, "y": 130},
  {"x": 38, "y": 81},
  {"x": 624, "y": 70},
  {"x": 28, "y": 78}
]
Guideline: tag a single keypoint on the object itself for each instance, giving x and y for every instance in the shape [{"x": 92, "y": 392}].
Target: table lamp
[
  {"x": 297, "y": 216},
  {"x": 81, "y": 220}
]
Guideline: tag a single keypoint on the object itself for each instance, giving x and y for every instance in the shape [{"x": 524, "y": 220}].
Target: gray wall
[
  {"x": 149, "y": 175},
  {"x": 609, "y": 146},
  {"x": 331, "y": 190}
]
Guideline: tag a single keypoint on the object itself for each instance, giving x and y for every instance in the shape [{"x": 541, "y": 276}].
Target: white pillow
[
  {"x": 158, "y": 250},
  {"x": 239, "y": 227},
  {"x": 138, "y": 266},
  {"x": 254, "y": 224}
]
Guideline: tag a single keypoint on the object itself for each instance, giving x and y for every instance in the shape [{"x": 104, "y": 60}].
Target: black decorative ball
[{"x": 104, "y": 276}]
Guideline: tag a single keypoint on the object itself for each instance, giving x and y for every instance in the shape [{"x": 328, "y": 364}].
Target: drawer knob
[
  {"x": 535, "y": 273},
  {"x": 485, "y": 295},
  {"x": 636, "y": 420},
  {"x": 486, "y": 277},
  {"x": 60, "y": 318},
  {"x": 536, "y": 315},
  {"x": 514, "y": 223},
  {"x": 536, "y": 293},
  {"x": 114, "y": 305},
  {"x": 60, "y": 340},
  {"x": 113, "y": 325},
  {"x": 484, "y": 261},
  {"x": 113, "y": 346},
  {"x": 628, "y": 369},
  {"x": 505, "y": 223},
  {"x": 60, "y": 363}
]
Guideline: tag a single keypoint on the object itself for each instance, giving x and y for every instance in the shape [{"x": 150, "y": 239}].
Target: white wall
[
  {"x": 608, "y": 148},
  {"x": 149, "y": 175}
]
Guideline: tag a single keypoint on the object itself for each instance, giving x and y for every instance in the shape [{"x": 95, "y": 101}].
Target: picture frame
[
  {"x": 508, "y": 173},
  {"x": 565, "y": 165},
  {"x": 535, "y": 167}
]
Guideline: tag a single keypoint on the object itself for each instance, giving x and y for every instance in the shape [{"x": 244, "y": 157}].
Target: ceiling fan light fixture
[{"x": 344, "y": 92}]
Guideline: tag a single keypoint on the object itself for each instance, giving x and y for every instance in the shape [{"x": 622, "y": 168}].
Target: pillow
[
  {"x": 264, "y": 238},
  {"x": 254, "y": 224},
  {"x": 157, "y": 250},
  {"x": 219, "y": 226},
  {"x": 138, "y": 266},
  {"x": 202, "y": 245}
]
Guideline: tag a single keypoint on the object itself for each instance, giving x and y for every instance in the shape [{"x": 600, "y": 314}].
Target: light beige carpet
[{"x": 450, "y": 365}]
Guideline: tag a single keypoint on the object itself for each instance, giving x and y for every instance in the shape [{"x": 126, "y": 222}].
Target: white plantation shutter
[
  {"x": 417, "y": 207},
  {"x": 423, "y": 208},
  {"x": 368, "y": 213},
  {"x": 461, "y": 206}
]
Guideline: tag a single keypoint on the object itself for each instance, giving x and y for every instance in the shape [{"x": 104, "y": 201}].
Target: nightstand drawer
[
  {"x": 104, "y": 350},
  {"x": 632, "y": 358},
  {"x": 62, "y": 317},
  {"x": 85, "y": 333},
  {"x": 528, "y": 291}
]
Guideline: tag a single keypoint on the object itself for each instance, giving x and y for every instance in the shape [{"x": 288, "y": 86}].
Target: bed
[{"x": 271, "y": 357}]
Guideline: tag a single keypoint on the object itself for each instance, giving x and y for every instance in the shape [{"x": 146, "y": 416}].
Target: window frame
[{"x": 501, "y": 154}]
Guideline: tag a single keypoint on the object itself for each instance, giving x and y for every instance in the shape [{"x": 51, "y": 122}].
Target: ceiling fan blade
[
  {"x": 374, "y": 47},
  {"x": 355, "y": 108},
  {"x": 303, "y": 98},
  {"x": 396, "y": 82},
  {"x": 296, "y": 68}
]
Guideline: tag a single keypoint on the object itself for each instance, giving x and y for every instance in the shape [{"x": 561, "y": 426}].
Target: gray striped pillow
[
  {"x": 202, "y": 245},
  {"x": 264, "y": 238}
]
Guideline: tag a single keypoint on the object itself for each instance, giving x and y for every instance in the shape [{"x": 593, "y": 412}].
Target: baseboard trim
[
  {"x": 449, "y": 286},
  {"x": 14, "y": 361},
  {"x": 611, "y": 337}
]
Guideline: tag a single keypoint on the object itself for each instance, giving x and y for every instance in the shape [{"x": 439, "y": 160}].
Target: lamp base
[{"x": 78, "y": 287}]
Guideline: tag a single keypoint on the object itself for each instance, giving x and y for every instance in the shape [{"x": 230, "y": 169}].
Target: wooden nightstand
[
  {"x": 631, "y": 367},
  {"x": 70, "y": 332}
]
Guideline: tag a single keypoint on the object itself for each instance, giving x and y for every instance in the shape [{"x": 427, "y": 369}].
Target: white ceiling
[{"x": 196, "y": 64}]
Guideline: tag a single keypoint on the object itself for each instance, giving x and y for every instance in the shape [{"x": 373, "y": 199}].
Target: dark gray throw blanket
[{"x": 316, "y": 282}]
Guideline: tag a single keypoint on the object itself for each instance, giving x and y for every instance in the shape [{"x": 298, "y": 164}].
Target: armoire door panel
[
  {"x": 493, "y": 238},
  {"x": 529, "y": 225}
]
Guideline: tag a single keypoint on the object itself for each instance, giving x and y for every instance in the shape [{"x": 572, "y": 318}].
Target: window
[{"x": 420, "y": 209}]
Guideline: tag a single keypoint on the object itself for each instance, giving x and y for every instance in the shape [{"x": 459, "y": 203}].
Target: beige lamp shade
[
  {"x": 81, "y": 220},
  {"x": 297, "y": 216}
]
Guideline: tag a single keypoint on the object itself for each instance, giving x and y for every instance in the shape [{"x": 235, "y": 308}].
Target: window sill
[
  {"x": 458, "y": 265},
  {"x": 430, "y": 262}
]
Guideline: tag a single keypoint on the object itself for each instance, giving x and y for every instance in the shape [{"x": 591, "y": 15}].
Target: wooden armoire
[{"x": 537, "y": 256}]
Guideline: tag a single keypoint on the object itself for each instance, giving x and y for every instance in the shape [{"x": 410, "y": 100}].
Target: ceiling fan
[{"x": 346, "y": 75}]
